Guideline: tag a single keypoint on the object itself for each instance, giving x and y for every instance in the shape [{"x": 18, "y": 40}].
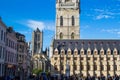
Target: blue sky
[{"x": 99, "y": 19}]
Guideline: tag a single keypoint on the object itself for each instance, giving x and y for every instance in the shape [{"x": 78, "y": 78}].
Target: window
[
  {"x": 102, "y": 67},
  {"x": 115, "y": 67},
  {"x": 73, "y": 21},
  {"x": 108, "y": 58},
  {"x": 75, "y": 58},
  {"x": 89, "y": 52},
  {"x": 56, "y": 52},
  {"x": 69, "y": 52},
  {"x": 2, "y": 35},
  {"x": 81, "y": 67},
  {"x": 88, "y": 58},
  {"x": 72, "y": 36},
  {"x": 115, "y": 58},
  {"x": 108, "y": 67},
  {"x": 61, "y": 35},
  {"x": 82, "y": 52},
  {"x": 102, "y": 58},
  {"x": 62, "y": 67},
  {"x": 95, "y": 58},
  {"x": 68, "y": 58},
  {"x": 55, "y": 67},
  {"x": 55, "y": 58},
  {"x": 88, "y": 67},
  {"x": 75, "y": 67},
  {"x": 95, "y": 67},
  {"x": 0, "y": 51},
  {"x": 38, "y": 37},
  {"x": 101, "y": 52},
  {"x": 82, "y": 58},
  {"x": 62, "y": 58},
  {"x": 61, "y": 21},
  {"x": 76, "y": 52},
  {"x": 67, "y": 0},
  {"x": 95, "y": 52}
]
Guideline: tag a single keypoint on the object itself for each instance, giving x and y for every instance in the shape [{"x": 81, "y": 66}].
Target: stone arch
[
  {"x": 72, "y": 35},
  {"x": 61, "y": 35}
]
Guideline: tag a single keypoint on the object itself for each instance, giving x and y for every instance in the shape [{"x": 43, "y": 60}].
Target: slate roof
[{"x": 87, "y": 43}]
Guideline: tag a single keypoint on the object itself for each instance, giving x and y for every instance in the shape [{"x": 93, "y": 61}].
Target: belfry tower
[{"x": 67, "y": 19}]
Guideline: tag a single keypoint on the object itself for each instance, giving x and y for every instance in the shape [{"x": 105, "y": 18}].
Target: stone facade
[
  {"x": 22, "y": 53},
  {"x": 37, "y": 41},
  {"x": 2, "y": 46},
  {"x": 11, "y": 53},
  {"x": 71, "y": 55},
  {"x": 67, "y": 19},
  {"x": 86, "y": 57}
]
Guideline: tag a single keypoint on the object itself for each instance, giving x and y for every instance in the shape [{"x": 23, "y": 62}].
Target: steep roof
[{"x": 85, "y": 44}]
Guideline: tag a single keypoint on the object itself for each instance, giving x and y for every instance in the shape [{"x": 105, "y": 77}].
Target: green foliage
[{"x": 36, "y": 71}]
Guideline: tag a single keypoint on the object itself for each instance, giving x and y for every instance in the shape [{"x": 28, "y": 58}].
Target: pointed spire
[{"x": 37, "y": 29}]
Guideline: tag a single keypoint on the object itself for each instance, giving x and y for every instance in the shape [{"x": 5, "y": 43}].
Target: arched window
[
  {"x": 72, "y": 36},
  {"x": 61, "y": 35},
  {"x": 61, "y": 20},
  {"x": 67, "y": 0},
  {"x": 73, "y": 21}
]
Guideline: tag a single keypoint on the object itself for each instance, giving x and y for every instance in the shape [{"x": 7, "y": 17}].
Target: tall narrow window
[
  {"x": 73, "y": 21},
  {"x": 115, "y": 67},
  {"x": 61, "y": 35},
  {"x": 72, "y": 36},
  {"x": 61, "y": 21},
  {"x": 108, "y": 67},
  {"x": 102, "y": 67},
  {"x": 95, "y": 67},
  {"x": 2, "y": 35}
]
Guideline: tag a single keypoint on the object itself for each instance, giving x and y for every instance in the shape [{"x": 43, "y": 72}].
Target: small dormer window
[
  {"x": 108, "y": 52},
  {"x": 69, "y": 52},
  {"x": 88, "y": 52},
  {"x": 82, "y": 52},
  {"x": 101, "y": 52},
  {"x": 95, "y": 52},
  {"x": 56, "y": 52},
  {"x": 75, "y": 51},
  {"x": 115, "y": 51}
]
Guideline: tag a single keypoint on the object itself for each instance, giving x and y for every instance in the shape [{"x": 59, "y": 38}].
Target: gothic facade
[{"x": 71, "y": 55}]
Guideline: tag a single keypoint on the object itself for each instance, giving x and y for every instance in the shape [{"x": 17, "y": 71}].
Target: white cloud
[
  {"x": 103, "y": 16},
  {"x": 106, "y": 13},
  {"x": 113, "y": 31},
  {"x": 33, "y": 24}
]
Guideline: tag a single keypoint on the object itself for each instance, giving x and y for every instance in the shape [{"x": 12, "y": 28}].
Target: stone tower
[
  {"x": 67, "y": 19},
  {"x": 37, "y": 41}
]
